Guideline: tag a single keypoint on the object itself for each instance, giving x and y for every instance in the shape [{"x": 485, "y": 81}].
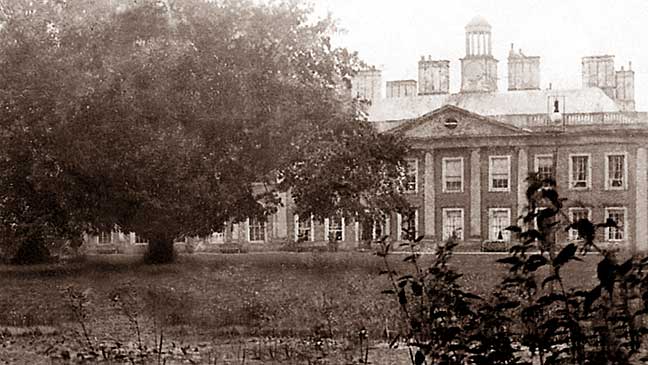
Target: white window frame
[
  {"x": 248, "y": 231},
  {"x": 588, "y": 180},
  {"x": 536, "y": 164},
  {"x": 296, "y": 229},
  {"x": 384, "y": 223},
  {"x": 216, "y": 237},
  {"x": 506, "y": 235},
  {"x": 608, "y": 183},
  {"x": 235, "y": 230},
  {"x": 399, "y": 225},
  {"x": 138, "y": 240},
  {"x": 573, "y": 233},
  {"x": 446, "y": 232},
  {"x": 408, "y": 173},
  {"x": 101, "y": 238},
  {"x": 490, "y": 173},
  {"x": 327, "y": 229},
  {"x": 624, "y": 228},
  {"x": 444, "y": 177}
]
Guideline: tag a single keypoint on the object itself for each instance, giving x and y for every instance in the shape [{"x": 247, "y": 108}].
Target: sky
[{"x": 393, "y": 35}]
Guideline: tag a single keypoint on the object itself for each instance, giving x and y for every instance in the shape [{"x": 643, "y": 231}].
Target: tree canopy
[{"x": 158, "y": 117}]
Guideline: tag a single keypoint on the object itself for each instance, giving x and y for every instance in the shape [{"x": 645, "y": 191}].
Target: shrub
[
  {"x": 443, "y": 322},
  {"x": 494, "y": 246},
  {"x": 531, "y": 308}
]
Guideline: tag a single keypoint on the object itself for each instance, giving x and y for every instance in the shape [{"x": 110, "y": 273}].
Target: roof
[
  {"x": 586, "y": 100},
  {"x": 478, "y": 21}
]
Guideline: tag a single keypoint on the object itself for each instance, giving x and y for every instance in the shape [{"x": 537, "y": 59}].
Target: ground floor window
[
  {"x": 303, "y": 229},
  {"x": 373, "y": 229},
  {"x": 139, "y": 240},
  {"x": 498, "y": 220},
  {"x": 334, "y": 228},
  {"x": 453, "y": 220},
  {"x": 618, "y": 215},
  {"x": 217, "y": 237},
  {"x": 380, "y": 228},
  {"x": 407, "y": 225},
  {"x": 104, "y": 238},
  {"x": 576, "y": 214},
  {"x": 256, "y": 230}
]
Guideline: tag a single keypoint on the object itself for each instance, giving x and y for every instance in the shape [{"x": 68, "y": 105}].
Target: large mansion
[{"x": 472, "y": 151}]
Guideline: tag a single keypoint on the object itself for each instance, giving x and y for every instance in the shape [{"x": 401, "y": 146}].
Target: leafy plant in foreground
[
  {"x": 562, "y": 325},
  {"x": 444, "y": 323}
]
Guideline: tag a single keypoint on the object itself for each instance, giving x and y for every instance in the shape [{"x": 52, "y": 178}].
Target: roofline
[
  {"x": 414, "y": 122},
  {"x": 556, "y": 137}
]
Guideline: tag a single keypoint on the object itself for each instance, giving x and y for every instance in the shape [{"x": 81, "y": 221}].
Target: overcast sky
[{"x": 394, "y": 34}]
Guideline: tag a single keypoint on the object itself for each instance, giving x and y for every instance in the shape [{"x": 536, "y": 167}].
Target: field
[{"x": 249, "y": 308}]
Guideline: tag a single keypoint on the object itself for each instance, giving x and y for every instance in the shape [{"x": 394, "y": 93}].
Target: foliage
[
  {"x": 169, "y": 118},
  {"x": 78, "y": 302},
  {"x": 445, "y": 323},
  {"x": 532, "y": 314},
  {"x": 603, "y": 324}
]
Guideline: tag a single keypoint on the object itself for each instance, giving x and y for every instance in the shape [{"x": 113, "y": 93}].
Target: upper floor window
[
  {"x": 618, "y": 215},
  {"x": 576, "y": 214},
  {"x": 498, "y": 220},
  {"x": 580, "y": 171},
  {"x": 616, "y": 171},
  {"x": 411, "y": 173},
  {"x": 452, "y": 174},
  {"x": 453, "y": 223},
  {"x": 499, "y": 173},
  {"x": 544, "y": 166},
  {"x": 256, "y": 230}
]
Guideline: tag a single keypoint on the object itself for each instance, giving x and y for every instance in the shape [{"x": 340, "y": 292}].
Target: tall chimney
[{"x": 433, "y": 76}]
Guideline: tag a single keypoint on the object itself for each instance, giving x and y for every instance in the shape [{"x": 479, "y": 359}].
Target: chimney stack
[
  {"x": 366, "y": 84},
  {"x": 433, "y": 76},
  {"x": 523, "y": 71}
]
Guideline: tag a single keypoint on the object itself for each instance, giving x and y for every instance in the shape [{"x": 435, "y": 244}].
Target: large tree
[{"x": 158, "y": 116}]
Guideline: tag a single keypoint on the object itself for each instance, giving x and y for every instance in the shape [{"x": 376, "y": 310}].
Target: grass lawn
[{"x": 227, "y": 299}]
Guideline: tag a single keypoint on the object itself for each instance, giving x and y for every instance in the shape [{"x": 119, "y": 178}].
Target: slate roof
[{"x": 585, "y": 100}]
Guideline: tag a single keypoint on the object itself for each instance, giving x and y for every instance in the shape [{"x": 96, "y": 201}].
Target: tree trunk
[
  {"x": 160, "y": 251},
  {"x": 32, "y": 251}
]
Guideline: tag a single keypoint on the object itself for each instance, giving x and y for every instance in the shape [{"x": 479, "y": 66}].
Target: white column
[
  {"x": 483, "y": 40},
  {"x": 483, "y": 37},
  {"x": 490, "y": 50},
  {"x": 326, "y": 229},
  {"x": 473, "y": 44},
  {"x": 356, "y": 228},
  {"x": 281, "y": 227},
  {"x": 467, "y": 44},
  {"x": 522, "y": 173},
  {"x": 641, "y": 211},
  {"x": 475, "y": 194},
  {"x": 399, "y": 228},
  {"x": 428, "y": 195}
]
